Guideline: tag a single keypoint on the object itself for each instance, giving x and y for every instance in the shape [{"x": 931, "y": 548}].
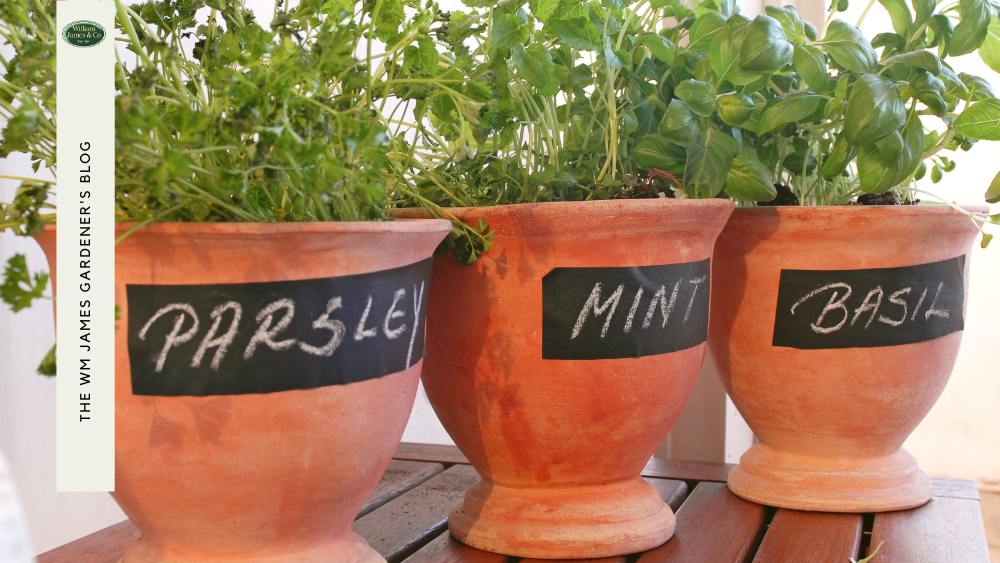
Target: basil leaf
[
  {"x": 765, "y": 47},
  {"x": 789, "y": 108},
  {"x": 919, "y": 59},
  {"x": 972, "y": 28},
  {"x": 849, "y": 48},
  {"x": 900, "y": 15},
  {"x": 734, "y": 109},
  {"x": 840, "y": 155},
  {"x": 989, "y": 51},
  {"x": 993, "y": 192},
  {"x": 790, "y": 21},
  {"x": 980, "y": 121},
  {"x": 679, "y": 125},
  {"x": 748, "y": 179},
  {"x": 874, "y": 110},
  {"x": 699, "y": 96},
  {"x": 887, "y": 163},
  {"x": 659, "y": 46},
  {"x": 708, "y": 161},
  {"x": 704, "y": 29},
  {"x": 656, "y": 151},
  {"x": 811, "y": 64}
]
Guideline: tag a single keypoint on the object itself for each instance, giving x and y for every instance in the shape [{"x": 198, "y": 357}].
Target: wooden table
[{"x": 406, "y": 520}]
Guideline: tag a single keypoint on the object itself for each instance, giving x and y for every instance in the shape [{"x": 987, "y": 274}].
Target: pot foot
[
  {"x": 351, "y": 548},
  {"x": 872, "y": 484},
  {"x": 563, "y": 523}
]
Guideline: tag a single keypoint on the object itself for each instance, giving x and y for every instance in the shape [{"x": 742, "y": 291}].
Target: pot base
[
  {"x": 873, "y": 484},
  {"x": 563, "y": 523},
  {"x": 349, "y": 549}
]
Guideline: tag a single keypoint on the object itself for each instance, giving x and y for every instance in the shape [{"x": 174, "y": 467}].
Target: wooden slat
[
  {"x": 810, "y": 536},
  {"x": 687, "y": 470},
  {"x": 399, "y": 477},
  {"x": 104, "y": 546},
  {"x": 407, "y": 522},
  {"x": 656, "y": 467},
  {"x": 945, "y": 529},
  {"x": 956, "y": 488},
  {"x": 712, "y": 525},
  {"x": 446, "y": 549},
  {"x": 109, "y": 545},
  {"x": 430, "y": 452}
]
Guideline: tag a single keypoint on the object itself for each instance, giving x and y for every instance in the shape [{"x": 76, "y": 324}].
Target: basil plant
[{"x": 755, "y": 103}]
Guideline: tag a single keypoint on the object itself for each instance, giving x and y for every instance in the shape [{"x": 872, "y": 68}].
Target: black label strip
[
  {"x": 598, "y": 313},
  {"x": 235, "y": 339}
]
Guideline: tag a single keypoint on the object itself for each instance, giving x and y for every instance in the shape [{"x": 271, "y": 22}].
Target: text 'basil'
[
  {"x": 629, "y": 312},
  {"x": 869, "y": 308},
  {"x": 231, "y": 339}
]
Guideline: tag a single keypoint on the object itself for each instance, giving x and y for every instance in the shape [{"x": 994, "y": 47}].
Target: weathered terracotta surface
[
  {"x": 559, "y": 443},
  {"x": 830, "y": 422},
  {"x": 271, "y": 477}
]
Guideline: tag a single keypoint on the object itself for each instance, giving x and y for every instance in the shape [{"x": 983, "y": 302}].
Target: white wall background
[{"x": 957, "y": 439}]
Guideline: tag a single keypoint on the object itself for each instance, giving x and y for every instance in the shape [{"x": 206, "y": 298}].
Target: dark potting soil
[
  {"x": 888, "y": 198},
  {"x": 785, "y": 197}
]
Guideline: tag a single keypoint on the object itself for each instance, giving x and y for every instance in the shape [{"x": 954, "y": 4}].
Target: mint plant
[{"x": 592, "y": 100}]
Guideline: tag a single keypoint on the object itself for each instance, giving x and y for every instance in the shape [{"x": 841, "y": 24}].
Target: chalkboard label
[
  {"x": 235, "y": 339},
  {"x": 868, "y": 308},
  {"x": 597, "y": 313}
]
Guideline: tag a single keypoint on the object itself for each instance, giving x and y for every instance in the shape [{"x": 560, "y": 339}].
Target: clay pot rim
[
  {"x": 398, "y": 225},
  {"x": 807, "y": 212},
  {"x": 561, "y": 207}
]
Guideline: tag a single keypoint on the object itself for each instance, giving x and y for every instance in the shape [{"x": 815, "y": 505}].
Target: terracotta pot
[
  {"x": 256, "y": 476},
  {"x": 831, "y": 383},
  {"x": 559, "y": 440}
]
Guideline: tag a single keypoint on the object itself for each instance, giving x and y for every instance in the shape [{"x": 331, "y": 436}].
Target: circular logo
[{"x": 83, "y": 33}]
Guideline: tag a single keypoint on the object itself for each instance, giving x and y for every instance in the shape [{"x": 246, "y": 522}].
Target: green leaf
[
  {"x": 708, "y": 161},
  {"x": 543, "y": 9},
  {"x": 734, "y": 109},
  {"x": 840, "y": 155},
  {"x": 887, "y": 163},
  {"x": 656, "y": 151},
  {"x": 534, "y": 64},
  {"x": 578, "y": 33},
  {"x": 977, "y": 87},
  {"x": 507, "y": 31},
  {"x": 704, "y": 29},
  {"x": 790, "y": 21},
  {"x": 923, "y": 10},
  {"x": 765, "y": 47},
  {"x": 849, "y": 48},
  {"x": 47, "y": 367},
  {"x": 919, "y": 59},
  {"x": 874, "y": 110},
  {"x": 699, "y": 96},
  {"x": 993, "y": 193},
  {"x": 748, "y": 179},
  {"x": 989, "y": 51},
  {"x": 972, "y": 29},
  {"x": 980, "y": 121},
  {"x": 19, "y": 287},
  {"x": 789, "y": 108},
  {"x": 811, "y": 64},
  {"x": 388, "y": 17},
  {"x": 900, "y": 15},
  {"x": 659, "y": 46},
  {"x": 679, "y": 125}
]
